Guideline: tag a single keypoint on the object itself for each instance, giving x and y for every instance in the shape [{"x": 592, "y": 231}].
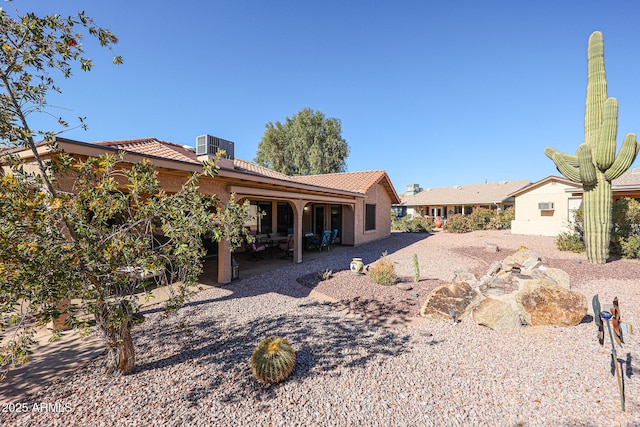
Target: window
[
  {"x": 285, "y": 218},
  {"x": 370, "y": 217},
  {"x": 260, "y": 224}
]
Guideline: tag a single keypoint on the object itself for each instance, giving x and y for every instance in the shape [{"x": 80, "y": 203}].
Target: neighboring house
[
  {"x": 358, "y": 204},
  {"x": 545, "y": 208},
  {"x": 457, "y": 199}
]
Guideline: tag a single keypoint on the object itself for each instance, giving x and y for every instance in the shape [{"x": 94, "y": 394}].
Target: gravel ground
[{"x": 352, "y": 372}]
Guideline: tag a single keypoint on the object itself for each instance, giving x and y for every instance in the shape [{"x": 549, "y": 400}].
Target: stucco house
[
  {"x": 358, "y": 204},
  {"x": 545, "y": 208},
  {"x": 457, "y": 199}
]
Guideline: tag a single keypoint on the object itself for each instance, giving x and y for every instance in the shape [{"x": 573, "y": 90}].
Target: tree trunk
[
  {"x": 120, "y": 358},
  {"x": 126, "y": 352},
  {"x": 597, "y": 202}
]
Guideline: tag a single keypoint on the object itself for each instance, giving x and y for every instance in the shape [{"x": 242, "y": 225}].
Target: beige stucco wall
[
  {"x": 530, "y": 220},
  {"x": 378, "y": 196}
]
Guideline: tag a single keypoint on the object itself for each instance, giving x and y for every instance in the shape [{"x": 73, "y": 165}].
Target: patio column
[
  {"x": 298, "y": 209},
  {"x": 224, "y": 261}
]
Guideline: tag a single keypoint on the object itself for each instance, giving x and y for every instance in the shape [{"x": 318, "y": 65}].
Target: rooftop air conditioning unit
[
  {"x": 208, "y": 144},
  {"x": 545, "y": 206}
]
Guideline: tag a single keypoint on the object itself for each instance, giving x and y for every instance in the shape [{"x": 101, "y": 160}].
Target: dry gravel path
[{"x": 353, "y": 372}]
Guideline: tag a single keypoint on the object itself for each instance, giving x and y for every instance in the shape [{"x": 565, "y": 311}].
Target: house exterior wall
[
  {"x": 348, "y": 225},
  {"x": 529, "y": 220},
  {"x": 379, "y": 197}
]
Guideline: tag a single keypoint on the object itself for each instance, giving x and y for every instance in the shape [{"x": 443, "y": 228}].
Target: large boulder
[
  {"x": 522, "y": 259},
  {"x": 497, "y": 315},
  {"x": 497, "y": 285},
  {"x": 459, "y": 297},
  {"x": 561, "y": 277},
  {"x": 547, "y": 304}
]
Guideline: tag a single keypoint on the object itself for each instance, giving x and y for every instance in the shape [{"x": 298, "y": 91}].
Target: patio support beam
[
  {"x": 298, "y": 210},
  {"x": 224, "y": 261},
  {"x": 285, "y": 195}
]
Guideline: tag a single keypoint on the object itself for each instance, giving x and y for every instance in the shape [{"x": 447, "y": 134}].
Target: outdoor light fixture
[{"x": 235, "y": 269}]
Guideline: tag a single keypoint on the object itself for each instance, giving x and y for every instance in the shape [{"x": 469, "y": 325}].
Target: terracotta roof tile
[
  {"x": 153, "y": 147},
  {"x": 243, "y": 165},
  {"x": 357, "y": 182}
]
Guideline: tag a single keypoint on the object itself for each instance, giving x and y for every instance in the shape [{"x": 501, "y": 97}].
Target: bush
[
  {"x": 625, "y": 233},
  {"x": 413, "y": 225},
  {"x": 457, "y": 223},
  {"x": 503, "y": 219},
  {"x": 383, "y": 272},
  {"x": 571, "y": 242},
  {"x": 630, "y": 247},
  {"x": 480, "y": 219}
]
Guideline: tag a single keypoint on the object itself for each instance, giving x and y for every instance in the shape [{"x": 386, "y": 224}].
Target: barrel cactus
[
  {"x": 273, "y": 360},
  {"x": 595, "y": 164}
]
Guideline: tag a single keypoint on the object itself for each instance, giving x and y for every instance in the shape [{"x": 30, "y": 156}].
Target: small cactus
[
  {"x": 273, "y": 360},
  {"x": 416, "y": 269}
]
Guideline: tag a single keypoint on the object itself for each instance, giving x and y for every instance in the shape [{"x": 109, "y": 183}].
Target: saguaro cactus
[{"x": 595, "y": 164}]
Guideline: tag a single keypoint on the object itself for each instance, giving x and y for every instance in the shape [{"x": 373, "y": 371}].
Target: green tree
[
  {"x": 116, "y": 233},
  {"x": 307, "y": 143}
]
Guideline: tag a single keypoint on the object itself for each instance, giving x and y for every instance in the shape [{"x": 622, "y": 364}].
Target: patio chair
[
  {"x": 309, "y": 240},
  {"x": 255, "y": 250},
  {"x": 326, "y": 238},
  {"x": 287, "y": 247},
  {"x": 332, "y": 239}
]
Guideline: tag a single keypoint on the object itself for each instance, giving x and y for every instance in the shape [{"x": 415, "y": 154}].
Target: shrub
[
  {"x": 383, "y": 272},
  {"x": 573, "y": 240},
  {"x": 457, "y": 224},
  {"x": 503, "y": 219},
  {"x": 480, "y": 218},
  {"x": 630, "y": 247},
  {"x": 570, "y": 242},
  {"x": 413, "y": 225},
  {"x": 625, "y": 233}
]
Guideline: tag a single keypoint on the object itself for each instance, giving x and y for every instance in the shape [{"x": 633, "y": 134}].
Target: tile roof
[
  {"x": 153, "y": 147},
  {"x": 244, "y": 166},
  {"x": 358, "y": 182},
  {"x": 630, "y": 178},
  {"x": 466, "y": 194},
  {"x": 551, "y": 178}
]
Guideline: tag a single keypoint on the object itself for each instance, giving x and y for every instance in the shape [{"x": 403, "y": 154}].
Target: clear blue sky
[{"x": 435, "y": 92}]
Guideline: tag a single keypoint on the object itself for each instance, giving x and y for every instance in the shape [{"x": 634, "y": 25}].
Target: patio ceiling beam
[{"x": 247, "y": 191}]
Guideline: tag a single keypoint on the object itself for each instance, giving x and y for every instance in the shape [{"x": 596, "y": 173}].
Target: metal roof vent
[{"x": 209, "y": 145}]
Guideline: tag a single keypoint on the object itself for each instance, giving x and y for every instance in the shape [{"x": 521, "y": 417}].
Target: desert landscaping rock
[
  {"x": 497, "y": 315},
  {"x": 547, "y": 304},
  {"x": 352, "y": 372},
  {"x": 404, "y": 286},
  {"x": 454, "y": 297},
  {"x": 561, "y": 277}
]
